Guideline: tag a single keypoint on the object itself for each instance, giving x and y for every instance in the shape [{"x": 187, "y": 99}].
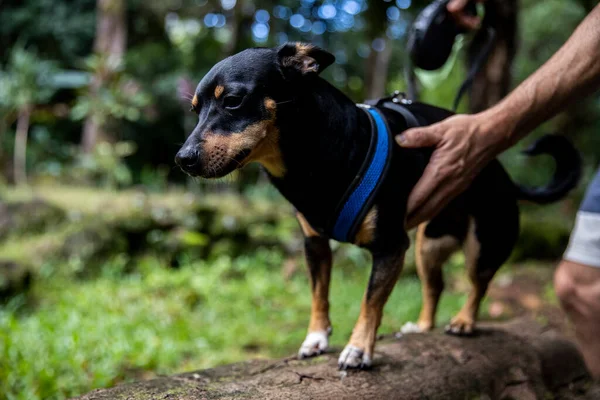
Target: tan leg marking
[
  {"x": 366, "y": 232},
  {"x": 359, "y": 350},
  {"x": 430, "y": 256},
  {"x": 319, "y": 261},
  {"x": 464, "y": 321},
  {"x": 307, "y": 230}
]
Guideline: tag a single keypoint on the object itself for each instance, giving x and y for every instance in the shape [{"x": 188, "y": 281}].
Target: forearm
[{"x": 573, "y": 72}]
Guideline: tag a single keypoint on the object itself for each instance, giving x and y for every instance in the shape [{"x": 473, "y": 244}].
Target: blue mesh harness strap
[{"x": 359, "y": 197}]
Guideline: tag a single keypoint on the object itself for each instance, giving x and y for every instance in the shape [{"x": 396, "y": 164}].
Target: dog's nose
[{"x": 186, "y": 157}]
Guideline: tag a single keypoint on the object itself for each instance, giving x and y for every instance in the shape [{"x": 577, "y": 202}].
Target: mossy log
[{"x": 513, "y": 360}]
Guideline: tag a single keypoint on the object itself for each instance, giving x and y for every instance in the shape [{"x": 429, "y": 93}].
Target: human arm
[{"x": 464, "y": 144}]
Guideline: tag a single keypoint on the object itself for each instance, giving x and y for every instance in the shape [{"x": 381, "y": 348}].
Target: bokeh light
[
  {"x": 282, "y": 12},
  {"x": 228, "y": 4},
  {"x": 297, "y": 20},
  {"x": 403, "y": 4},
  {"x": 393, "y": 13},
  {"x": 327, "y": 11},
  {"x": 262, "y": 16},
  {"x": 260, "y": 31}
]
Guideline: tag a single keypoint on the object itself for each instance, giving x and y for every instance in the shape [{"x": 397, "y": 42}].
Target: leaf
[
  {"x": 193, "y": 238},
  {"x": 80, "y": 110}
]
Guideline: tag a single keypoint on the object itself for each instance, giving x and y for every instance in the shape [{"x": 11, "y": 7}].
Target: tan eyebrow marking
[
  {"x": 303, "y": 48},
  {"x": 270, "y": 104},
  {"x": 195, "y": 101},
  {"x": 219, "y": 91}
]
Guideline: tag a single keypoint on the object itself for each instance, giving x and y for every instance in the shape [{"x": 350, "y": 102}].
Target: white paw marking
[
  {"x": 353, "y": 357},
  {"x": 314, "y": 344},
  {"x": 410, "y": 327}
]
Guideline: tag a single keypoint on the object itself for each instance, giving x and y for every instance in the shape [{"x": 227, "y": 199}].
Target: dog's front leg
[
  {"x": 358, "y": 353},
  {"x": 318, "y": 260}
]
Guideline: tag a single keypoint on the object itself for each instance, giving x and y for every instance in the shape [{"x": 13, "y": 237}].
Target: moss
[
  {"x": 310, "y": 361},
  {"x": 27, "y": 217},
  {"x": 155, "y": 389}
]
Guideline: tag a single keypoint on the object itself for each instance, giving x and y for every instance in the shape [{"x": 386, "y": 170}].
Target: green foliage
[
  {"x": 105, "y": 166},
  {"x": 63, "y": 30},
  {"x": 539, "y": 39},
  {"x": 544, "y": 235},
  {"x": 120, "y": 98},
  {"x": 26, "y": 80}
]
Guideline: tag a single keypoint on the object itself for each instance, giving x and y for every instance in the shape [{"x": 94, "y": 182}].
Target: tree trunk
[
  {"x": 110, "y": 43},
  {"x": 377, "y": 71},
  {"x": 493, "y": 81},
  {"x": 377, "y": 64},
  {"x": 20, "y": 156},
  {"x": 2, "y": 130},
  {"x": 516, "y": 360},
  {"x": 237, "y": 21}
]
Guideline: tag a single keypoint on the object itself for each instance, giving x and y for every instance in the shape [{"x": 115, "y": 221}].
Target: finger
[
  {"x": 419, "y": 137},
  {"x": 457, "y": 9},
  {"x": 420, "y": 196},
  {"x": 427, "y": 210},
  {"x": 468, "y": 21},
  {"x": 457, "y": 5},
  {"x": 423, "y": 203},
  {"x": 433, "y": 192}
]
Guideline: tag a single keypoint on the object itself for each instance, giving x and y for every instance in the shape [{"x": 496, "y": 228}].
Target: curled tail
[{"x": 566, "y": 174}]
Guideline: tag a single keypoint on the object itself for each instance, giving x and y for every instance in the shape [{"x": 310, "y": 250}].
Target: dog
[{"x": 269, "y": 105}]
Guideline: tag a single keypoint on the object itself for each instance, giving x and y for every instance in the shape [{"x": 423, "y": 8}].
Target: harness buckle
[{"x": 397, "y": 97}]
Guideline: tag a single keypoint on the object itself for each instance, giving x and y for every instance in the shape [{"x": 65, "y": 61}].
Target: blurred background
[{"x": 115, "y": 266}]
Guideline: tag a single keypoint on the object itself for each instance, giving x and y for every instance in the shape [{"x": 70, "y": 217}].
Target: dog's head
[{"x": 237, "y": 102}]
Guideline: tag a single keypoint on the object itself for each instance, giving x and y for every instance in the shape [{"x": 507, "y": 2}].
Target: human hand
[
  {"x": 464, "y": 144},
  {"x": 456, "y": 8}
]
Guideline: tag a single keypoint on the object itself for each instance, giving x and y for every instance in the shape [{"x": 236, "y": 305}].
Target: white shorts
[{"x": 584, "y": 245}]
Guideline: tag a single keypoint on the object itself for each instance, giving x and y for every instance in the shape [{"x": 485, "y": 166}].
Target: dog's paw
[
  {"x": 411, "y": 327},
  {"x": 315, "y": 343},
  {"x": 460, "y": 326},
  {"x": 354, "y": 357},
  {"x": 425, "y": 326}
]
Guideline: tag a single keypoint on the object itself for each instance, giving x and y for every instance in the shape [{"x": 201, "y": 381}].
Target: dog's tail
[{"x": 566, "y": 174}]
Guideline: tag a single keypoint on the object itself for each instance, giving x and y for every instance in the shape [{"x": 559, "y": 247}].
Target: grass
[{"x": 70, "y": 336}]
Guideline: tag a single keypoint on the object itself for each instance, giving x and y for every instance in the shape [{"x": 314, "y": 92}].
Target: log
[{"x": 514, "y": 360}]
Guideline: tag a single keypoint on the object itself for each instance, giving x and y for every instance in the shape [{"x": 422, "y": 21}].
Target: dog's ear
[{"x": 303, "y": 59}]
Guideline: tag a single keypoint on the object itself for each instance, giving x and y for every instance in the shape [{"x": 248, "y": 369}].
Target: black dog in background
[{"x": 270, "y": 106}]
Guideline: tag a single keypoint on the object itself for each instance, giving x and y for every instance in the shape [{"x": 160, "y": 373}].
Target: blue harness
[{"x": 359, "y": 197}]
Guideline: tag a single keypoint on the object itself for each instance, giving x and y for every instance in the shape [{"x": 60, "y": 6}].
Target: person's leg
[
  {"x": 577, "y": 278},
  {"x": 578, "y": 287}
]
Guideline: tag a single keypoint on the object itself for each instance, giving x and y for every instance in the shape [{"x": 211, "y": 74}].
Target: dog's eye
[{"x": 232, "y": 102}]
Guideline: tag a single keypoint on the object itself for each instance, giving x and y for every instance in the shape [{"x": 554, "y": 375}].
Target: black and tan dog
[{"x": 270, "y": 106}]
